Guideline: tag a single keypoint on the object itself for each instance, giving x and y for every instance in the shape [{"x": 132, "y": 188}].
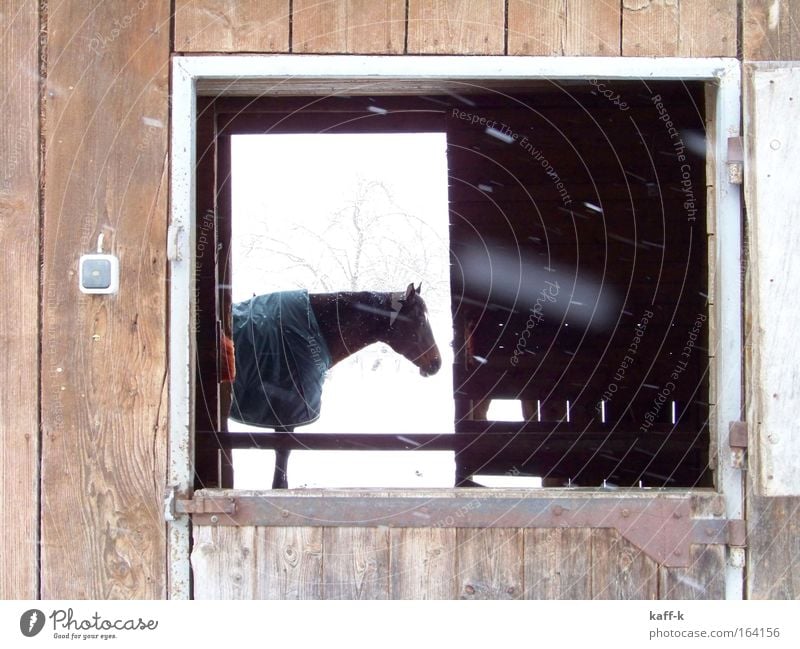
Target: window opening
[{"x": 578, "y": 275}]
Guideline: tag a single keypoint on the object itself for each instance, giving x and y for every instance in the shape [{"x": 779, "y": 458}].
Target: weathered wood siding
[
  {"x": 563, "y": 28},
  {"x": 19, "y": 308},
  {"x": 691, "y": 28},
  {"x": 232, "y": 25},
  {"x": 686, "y": 28},
  {"x": 349, "y": 26},
  {"x": 771, "y": 30},
  {"x": 104, "y": 397}
]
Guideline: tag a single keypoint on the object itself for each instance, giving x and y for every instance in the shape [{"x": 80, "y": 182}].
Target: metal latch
[
  {"x": 175, "y": 506},
  {"x": 735, "y": 160},
  {"x": 174, "y": 235},
  {"x": 737, "y": 440}
]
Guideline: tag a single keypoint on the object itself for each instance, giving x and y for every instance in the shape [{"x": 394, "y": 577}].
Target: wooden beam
[
  {"x": 349, "y": 26},
  {"x": 456, "y": 26},
  {"x": 19, "y": 310},
  {"x": 232, "y": 25},
  {"x": 771, "y": 30},
  {"x": 563, "y": 28},
  {"x": 104, "y": 396}
]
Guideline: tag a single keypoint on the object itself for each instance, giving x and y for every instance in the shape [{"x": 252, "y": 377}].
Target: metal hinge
[
  {"x": 737, "y": 440},
  {"x": 737, "y": 533},
  {"x": 735, "y": 160},
  {"x": 737, "y": 542},
  {"x": 175, "y": 506}
]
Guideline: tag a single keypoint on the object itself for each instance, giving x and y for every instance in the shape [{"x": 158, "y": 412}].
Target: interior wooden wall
[{"x": 100, "y": 380}]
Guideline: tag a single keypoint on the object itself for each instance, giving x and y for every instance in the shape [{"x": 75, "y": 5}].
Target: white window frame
[{"x": 724, "y": 205}]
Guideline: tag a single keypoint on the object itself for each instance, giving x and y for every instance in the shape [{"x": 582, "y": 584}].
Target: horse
[{"x": 284, "y": 343}]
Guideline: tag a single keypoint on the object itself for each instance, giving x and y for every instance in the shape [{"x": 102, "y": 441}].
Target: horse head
[{"x": 410, "y": 332}]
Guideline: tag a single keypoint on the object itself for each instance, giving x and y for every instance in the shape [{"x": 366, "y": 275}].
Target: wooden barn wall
[
  {"x": 104, "y": 397},
  {"x": 19, "y": 309},
  {"x": 96, "y": 392}
]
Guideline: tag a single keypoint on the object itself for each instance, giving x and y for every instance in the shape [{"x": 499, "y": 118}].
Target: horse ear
[
  {"x": 409, "y": 291},
  {"x": 419, "y": 287}
]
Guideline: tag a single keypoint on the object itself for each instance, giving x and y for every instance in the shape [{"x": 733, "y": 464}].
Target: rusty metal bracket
[
  {"x": 212, "y": 506},
  {"x": 661, "y": 527}
]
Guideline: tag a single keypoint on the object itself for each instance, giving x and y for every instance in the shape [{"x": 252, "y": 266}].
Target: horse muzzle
[{"x": 431, "y": 364}]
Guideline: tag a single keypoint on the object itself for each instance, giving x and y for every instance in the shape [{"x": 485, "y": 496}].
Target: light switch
[{"x": 99, "y": 274}]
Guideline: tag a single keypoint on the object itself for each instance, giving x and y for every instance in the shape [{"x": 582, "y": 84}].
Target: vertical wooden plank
[
  {"x": 650, "y": 27},
  {"x": 289, "y": 562},
  {"x": 490, "y": 563},
  {"x": 771, "y": 30},
  {"x": 773, "y": 555},
  {"x": 104, "y": 397},
  {"x": 563, "y": 28},
  {"x": 232, "y": 25},
  {"x": 703, "y": 579},
  {"x": 456, "y": 26},
  {"x": 620, "y": 570},
  {"x": 689, "y": 28},
  {"x": 356, "y": 563},
  {"x": 224, "y": 562},
  {"x": 558, "y": 564},
  {"x": 19, "y": 309},
  {"x": 349, "y": 26},
  {"x": 773, "y": 523},
  {"x": 707, "y": 28},
  {"x": 423, "y": 563},
  {"x": 773, "y": 155}
]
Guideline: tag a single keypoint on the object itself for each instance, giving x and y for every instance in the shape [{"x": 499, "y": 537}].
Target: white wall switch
[{"x": 99, "y": 274}]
